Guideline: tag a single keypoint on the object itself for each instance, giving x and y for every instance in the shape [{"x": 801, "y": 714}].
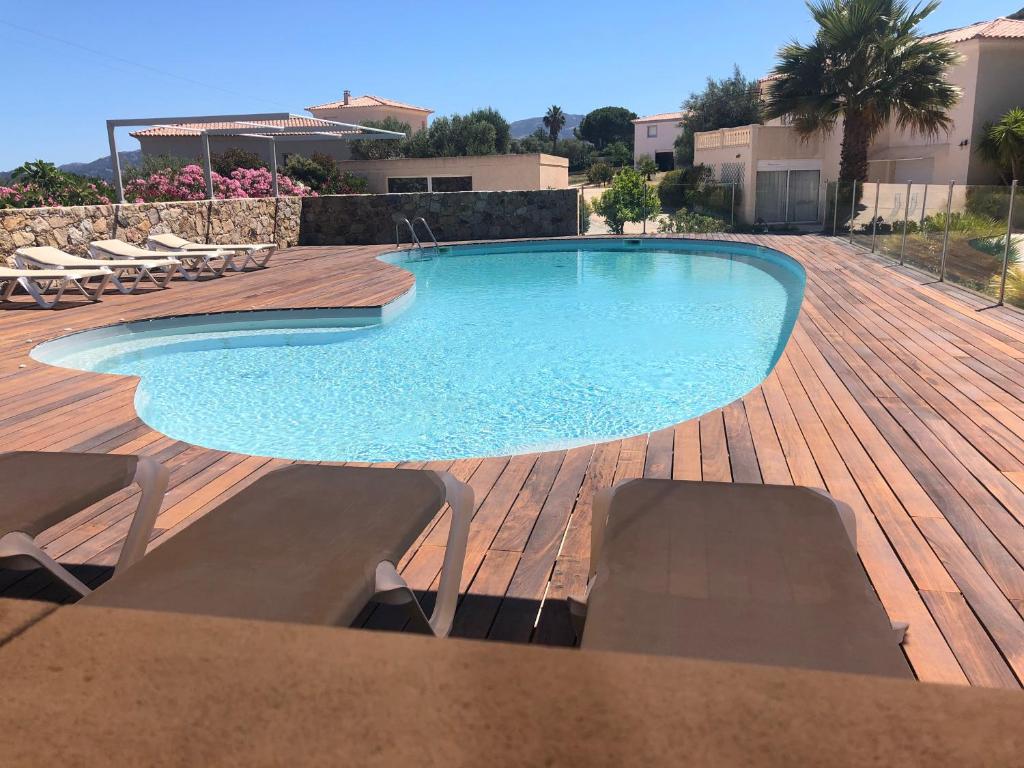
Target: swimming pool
[{"x": 500, "y": 348}]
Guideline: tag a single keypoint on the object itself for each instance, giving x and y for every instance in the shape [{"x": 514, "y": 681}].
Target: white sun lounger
[
  {"x": 193, "y": 264},
  {"x": 158, "y": 270},
  {"x": 257, "y": 254},
  {"x": 41, "y": 489},
  {"x": 37, "y": 282}
]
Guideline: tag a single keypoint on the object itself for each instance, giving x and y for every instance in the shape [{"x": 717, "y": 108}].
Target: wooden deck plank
[{"x": 894, "y": 393}]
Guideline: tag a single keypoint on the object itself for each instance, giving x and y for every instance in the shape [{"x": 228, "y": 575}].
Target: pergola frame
[{"x": 255, "y": 128}]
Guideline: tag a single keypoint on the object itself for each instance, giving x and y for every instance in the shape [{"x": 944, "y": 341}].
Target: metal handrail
[
  {"x": 399, "y": 219},
  {"x": 426, "y": 226}
]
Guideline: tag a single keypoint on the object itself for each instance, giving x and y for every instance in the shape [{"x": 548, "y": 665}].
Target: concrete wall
[
  {"x": 367, "y": 219},
  {"x": 489, "y": 172},
  {"x": 668, "y": 130},
  {"x": 72, "y": 228},
  {"x": 1001, "y": 71}
]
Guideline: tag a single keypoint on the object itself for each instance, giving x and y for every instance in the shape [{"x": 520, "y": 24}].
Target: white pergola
[{"x": 254, "y": 126}]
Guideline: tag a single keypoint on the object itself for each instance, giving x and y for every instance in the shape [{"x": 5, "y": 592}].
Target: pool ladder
[{"x": 399, "y": 220}]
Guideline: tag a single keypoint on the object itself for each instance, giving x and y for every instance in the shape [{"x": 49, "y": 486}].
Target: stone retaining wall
[
  {"x": 366, "y": 219},
  {"x": 72, "y": 228},
  {"x": 331, "y": 220}
]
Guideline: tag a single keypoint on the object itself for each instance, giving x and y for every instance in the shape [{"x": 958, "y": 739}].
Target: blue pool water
[{"x": 502, "y": 349}]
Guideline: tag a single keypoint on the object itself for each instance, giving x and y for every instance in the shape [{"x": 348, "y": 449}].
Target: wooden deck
[{"x": 902, "y": 397}]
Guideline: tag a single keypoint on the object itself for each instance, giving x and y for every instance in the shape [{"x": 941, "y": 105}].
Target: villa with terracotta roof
[
  {"x": 437, "y": 174},
  {"x": 367, "y": 108},
  {"x": 785, "y": 173},
  {"x": 655, "y": 137}
]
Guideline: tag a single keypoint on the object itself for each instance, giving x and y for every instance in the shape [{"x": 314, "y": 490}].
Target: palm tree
[
  {"x": 554, "y": 121},
  {"x": 1002, "y": 143},
  {"x": 867, "y": 65}
]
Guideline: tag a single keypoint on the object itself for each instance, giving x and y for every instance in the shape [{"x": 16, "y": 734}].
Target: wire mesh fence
[{"x": 971, "y": 235}]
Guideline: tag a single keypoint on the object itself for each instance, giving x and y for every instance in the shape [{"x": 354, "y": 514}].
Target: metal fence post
[
  {"x": 874, "y": 216},
  {"x": 1007, "y": 244},
  {"x": 853, "y": 207},
  {"x": 924, "y": 206},
  {"x": 732, "y": 207},
  {"x": 945, "y": 235},
  {"x": 906, "y": 215},
  {"x": 835, "y": 212}
]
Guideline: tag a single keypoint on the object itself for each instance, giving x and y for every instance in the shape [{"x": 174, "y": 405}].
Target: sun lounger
[
  {"x": 193, "y": 264},
  {"x": 306, "y": 544},
  {"x": 257, "y": 254},
  {"x": 37, "y": 282},
  {"x": 733, "y": 572},
  {"x": 41, "y": 489},
  {"x": 158, "y": 270}
]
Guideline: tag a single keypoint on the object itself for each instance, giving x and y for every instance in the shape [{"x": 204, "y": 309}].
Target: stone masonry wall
[
  {"x": 366, "y": 219},
  {"x": 72, "y": 228},
  {"x": 330, "y": 220}
]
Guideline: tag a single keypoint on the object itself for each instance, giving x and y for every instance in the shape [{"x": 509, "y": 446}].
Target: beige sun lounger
[
  {"x": 41, "y": 489},
  {"x": 257, "y": 254},
  {"x": 760, "y": 574},
  {"x": 305, "y": 544},
  {"x": 38, "y": 282},
  {"x": 157, "y": 270},
  {"x": 193, "y": 264}
]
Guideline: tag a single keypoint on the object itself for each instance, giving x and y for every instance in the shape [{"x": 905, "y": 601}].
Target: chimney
[{"x": 348, "y": 95}]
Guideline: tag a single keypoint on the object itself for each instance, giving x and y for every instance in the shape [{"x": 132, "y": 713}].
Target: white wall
[{"x": 643, "y": 144}]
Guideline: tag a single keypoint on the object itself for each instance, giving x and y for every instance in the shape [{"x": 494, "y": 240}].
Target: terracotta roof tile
[
  {"x": 367, "y": 101},
  {"x": 659, "y": 118},
  {"x": 997, "y": 28}
]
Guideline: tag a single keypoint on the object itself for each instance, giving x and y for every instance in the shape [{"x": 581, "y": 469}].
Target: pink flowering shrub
[
  {"x": 190, "y": 184},
  {"x": 40, "y": 183}
]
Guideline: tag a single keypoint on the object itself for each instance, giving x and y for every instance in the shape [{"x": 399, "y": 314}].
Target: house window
[
  {"x": 408, "y": 184},
  {"x": 652, "y": 131},
  {"x": 451, "y": 183}
]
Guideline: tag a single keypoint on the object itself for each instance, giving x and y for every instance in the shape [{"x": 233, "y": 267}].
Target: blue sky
[{"x": 72, "y": 64}]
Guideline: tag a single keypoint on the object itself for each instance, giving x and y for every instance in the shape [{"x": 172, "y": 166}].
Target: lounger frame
[
  {"x": 38, "y": 287},
  {"x": 19, "y": 551},
  {"x": 141, "y": 270},
  {"x": 392, "y": 589}
]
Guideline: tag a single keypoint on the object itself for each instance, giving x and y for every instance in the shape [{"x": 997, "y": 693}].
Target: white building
[
  {"x": 655, "y": 137},
  {"x": 783, "y": 174}
]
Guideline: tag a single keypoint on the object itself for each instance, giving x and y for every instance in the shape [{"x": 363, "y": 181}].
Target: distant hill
[
  {"x": 523, "y": 128},
  {"x": 99, "y": 168}
]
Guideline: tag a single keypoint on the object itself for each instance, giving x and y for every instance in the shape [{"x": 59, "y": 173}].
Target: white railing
[{"x": 723, "y": 137}]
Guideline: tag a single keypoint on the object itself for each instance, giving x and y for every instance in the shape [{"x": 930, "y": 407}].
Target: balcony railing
[{"x": 723, "y": 137}]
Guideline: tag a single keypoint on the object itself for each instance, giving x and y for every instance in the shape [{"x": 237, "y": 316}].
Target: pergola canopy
[{"x": 254, "y": 126}]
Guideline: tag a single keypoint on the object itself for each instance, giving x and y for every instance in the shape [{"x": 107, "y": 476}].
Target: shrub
[
  {"x": 629, "y": 198},
  {"x": 599, "y": 173},
  {"x": 190, "y": 184},
  {"x": 381, "y": 149},
  {"x": 320, "y": 173},
  {"x": 585, "y": 210},
  {"x": 676, "y": 187},
  {"x": 619, "y": 154},
  {"x": 647, "y": 166},
  {"x": 683, "y": 221},
  {"x": 233, "y": 158},
  {"x": 43, "y": 184}
]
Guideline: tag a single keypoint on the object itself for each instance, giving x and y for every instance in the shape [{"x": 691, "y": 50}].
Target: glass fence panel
[
  {"x": 1014, "y": 290},
  {"x": 864, "y": 214},
  {"x": 977, "y": 237},
  {"x": 926, "y": 221},
  {"x": 893, "y": 210}
]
